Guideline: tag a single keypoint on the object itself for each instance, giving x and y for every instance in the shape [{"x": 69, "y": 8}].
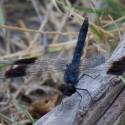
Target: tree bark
[{"x": 108, "y": 107}]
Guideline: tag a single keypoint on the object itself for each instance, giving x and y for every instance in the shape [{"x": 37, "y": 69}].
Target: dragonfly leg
[
  {"x": 86, "y": 91},
  {"x": 88, "y": 76},
  {"x": 80, "y": 96}
]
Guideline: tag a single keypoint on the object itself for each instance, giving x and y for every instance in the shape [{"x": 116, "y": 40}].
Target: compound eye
[
  {"x": 63, "y": 88},
  {"x": 72, "y": 89}
]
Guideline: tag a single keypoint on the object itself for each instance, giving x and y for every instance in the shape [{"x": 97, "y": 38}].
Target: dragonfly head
[{"x": 68, "y": 89}]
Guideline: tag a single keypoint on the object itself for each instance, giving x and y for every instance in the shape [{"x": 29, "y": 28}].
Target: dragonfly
[{"x": 52, "y": 63}]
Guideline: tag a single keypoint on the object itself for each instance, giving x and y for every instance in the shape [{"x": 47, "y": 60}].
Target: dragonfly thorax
[
  {"x": 68, "y": 89},
  {"x": 71, "y": 74}
]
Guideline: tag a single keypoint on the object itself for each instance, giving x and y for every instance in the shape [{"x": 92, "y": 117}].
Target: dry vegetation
[{"x": 58, "y": 26}]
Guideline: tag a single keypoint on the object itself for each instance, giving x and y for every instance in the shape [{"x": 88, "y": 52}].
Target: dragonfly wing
[
  {"x": 97, "y": 55},
  {"x": 44, "y": 58},
  {"x": 24, "y": 70},
  {"x": 46, "y": 67},
  {"x": 51, "y": 63},
  {"x": 98, "y": 70},
  {"x": 60, "y": 64},
  {"x": 93, "y": 60}
]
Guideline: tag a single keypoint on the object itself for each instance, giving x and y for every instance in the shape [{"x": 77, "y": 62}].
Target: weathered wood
[{"x": 106, "y": 109}]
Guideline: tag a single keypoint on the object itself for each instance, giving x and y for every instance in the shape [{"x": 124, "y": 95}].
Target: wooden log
[{"x": 108, "y": 107}]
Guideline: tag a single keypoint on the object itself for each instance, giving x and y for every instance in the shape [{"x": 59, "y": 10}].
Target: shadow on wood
[{"x": 108, "y": 107}]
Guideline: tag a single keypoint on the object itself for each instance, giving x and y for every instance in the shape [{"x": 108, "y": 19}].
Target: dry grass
[{"x": 34, "y": 28}]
